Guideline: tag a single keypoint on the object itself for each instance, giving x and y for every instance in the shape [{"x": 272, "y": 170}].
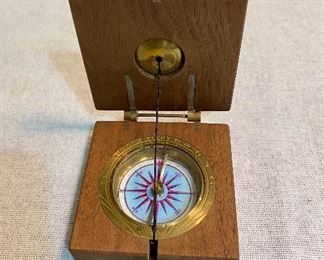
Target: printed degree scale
[{"x": 167, "y": 183}]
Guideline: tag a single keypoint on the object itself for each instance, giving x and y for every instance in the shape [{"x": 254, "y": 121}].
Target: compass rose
[{"x": 173, "y": 188}]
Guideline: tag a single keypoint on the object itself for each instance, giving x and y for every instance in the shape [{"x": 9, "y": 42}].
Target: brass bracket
[{"x": 192, "y": 115}]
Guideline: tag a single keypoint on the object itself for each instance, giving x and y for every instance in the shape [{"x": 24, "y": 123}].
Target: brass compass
[{"x": 185, "y": 187}]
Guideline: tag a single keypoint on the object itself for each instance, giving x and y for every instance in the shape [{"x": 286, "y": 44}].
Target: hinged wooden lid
[{"x": 209, "y": 32}]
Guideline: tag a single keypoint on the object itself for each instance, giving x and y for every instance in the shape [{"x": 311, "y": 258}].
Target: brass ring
[{"x": 176, "y": 227}]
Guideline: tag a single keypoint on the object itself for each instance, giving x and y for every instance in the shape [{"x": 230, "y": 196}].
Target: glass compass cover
[
  {"x": 183, "y": 183},
  {"x": 175, "y": 188}
]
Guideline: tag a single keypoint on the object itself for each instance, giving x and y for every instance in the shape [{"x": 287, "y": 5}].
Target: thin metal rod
[
  {"x": 162, "y": 115},
  {"x": 158, "y": 92},
  {"x": 153, "y": 255}
]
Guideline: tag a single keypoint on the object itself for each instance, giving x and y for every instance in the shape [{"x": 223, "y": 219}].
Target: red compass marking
[
  {"x": 171, "y": 180},
  {"x": 144, "y": 179},
  {"x": 142, "y": 185},
  {"x": 141, "y": 204},
  {"x": 168, "y": 201},
  {"x": 164, "y": 177},
  {"x": 173, "y": 186},
  {"x": 149, "y": 206},
  {"x": 163, "y": 206},
  {"x": 173, "y": 198},
  {"x": 140, "y": 196},
  {"x": 151, "y": 177},
  {"x": 171, "y": 205},
  {"x": 136, "y": 190}
]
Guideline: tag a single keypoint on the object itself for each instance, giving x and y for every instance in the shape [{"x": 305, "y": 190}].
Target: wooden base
[{"x": 95, "y": 237}]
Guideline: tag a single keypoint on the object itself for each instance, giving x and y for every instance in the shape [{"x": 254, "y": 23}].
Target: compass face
[
  {"x": 176, "y": 191},
  {"x": 182, "y": 181}
]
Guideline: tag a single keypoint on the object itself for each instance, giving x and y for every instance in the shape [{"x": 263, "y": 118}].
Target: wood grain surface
[
  {"x": 95, "y": 237},
  {"x": 208, "y": 31}
]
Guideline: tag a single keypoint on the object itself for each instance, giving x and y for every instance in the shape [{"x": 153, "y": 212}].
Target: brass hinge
[{"x": 191, "y": 115}]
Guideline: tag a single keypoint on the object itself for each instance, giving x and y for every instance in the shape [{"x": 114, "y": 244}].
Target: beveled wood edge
[
  {"x": 96, "y": 255},
  {"x": 78, "y": 196}
]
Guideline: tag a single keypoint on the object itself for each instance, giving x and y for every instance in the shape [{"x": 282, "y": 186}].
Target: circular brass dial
[
  {"x": 171, "y": 54},
  {"x": 185, "y": 187}
]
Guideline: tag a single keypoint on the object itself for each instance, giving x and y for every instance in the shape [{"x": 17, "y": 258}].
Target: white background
[{"x": 276, "y": 122}]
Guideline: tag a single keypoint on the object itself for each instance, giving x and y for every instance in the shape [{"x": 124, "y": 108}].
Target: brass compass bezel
[{"x": 171, "y": 229}]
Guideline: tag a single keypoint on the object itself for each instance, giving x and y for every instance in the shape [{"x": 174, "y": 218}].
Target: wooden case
[
  {"x": 209, "y": 33},
  {"x": 94, "y": 236}
]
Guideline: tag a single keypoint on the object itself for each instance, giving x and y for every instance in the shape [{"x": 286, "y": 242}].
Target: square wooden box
[{"x": 95, "y": 237}]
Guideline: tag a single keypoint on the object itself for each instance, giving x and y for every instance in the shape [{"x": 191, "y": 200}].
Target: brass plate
[
  {"x": 171, "y": 54},
  {"x": 117, "y": 167}
]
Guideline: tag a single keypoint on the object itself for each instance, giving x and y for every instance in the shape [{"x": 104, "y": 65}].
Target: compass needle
[{"x": 162, "y": 168}]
